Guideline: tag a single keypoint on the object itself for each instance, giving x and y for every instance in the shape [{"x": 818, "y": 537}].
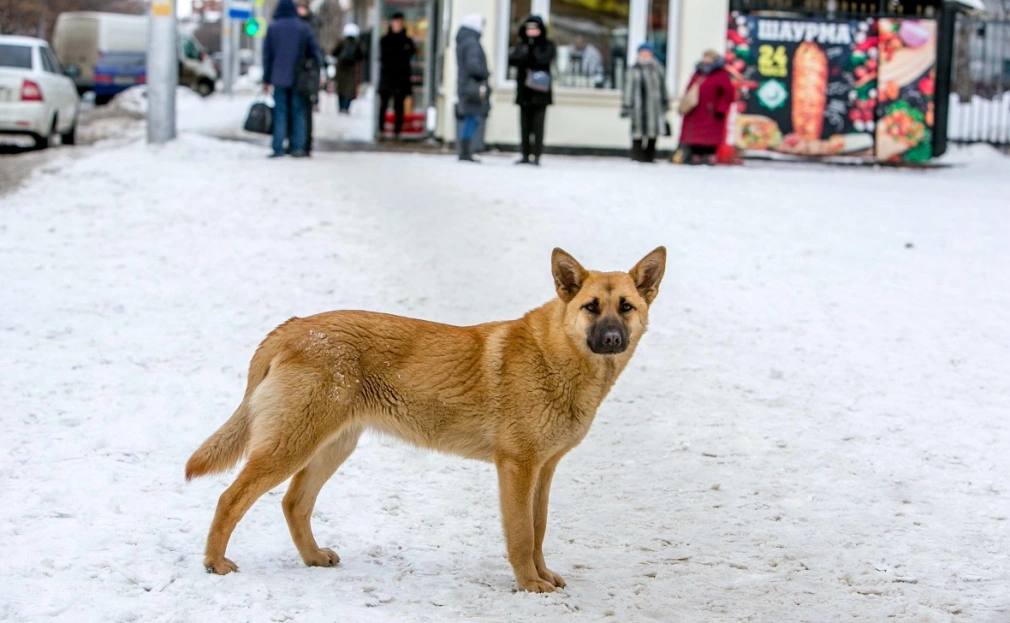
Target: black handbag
[
  {"x": 307, "y": 77},
  {"x": 260, "y": 119}
]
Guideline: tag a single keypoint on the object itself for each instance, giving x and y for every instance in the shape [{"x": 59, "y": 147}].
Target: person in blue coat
[
  {"x": 472, "y": 90},
  {"x": 288, "y": 42}
]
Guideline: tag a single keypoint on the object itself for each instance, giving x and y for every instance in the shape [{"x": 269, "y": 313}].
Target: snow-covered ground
[{"x": 815, "y": 428}]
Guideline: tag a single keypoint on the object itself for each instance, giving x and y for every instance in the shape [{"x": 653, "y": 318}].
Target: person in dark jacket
[
  {"x": 472, "y": 90},
  {"x": 396, "y": 49},
  {"x": 645, "y": 103},
  {"x": 288, "y": 42},
  {"x": 307, "y": 79},
  {"x": 704, "y": 126},
  {"x": 349, "y": 54},
  {"x": 532, "y": 57}
]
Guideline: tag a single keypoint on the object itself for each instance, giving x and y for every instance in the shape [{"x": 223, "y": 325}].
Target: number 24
[{"x": 772, "y": 61}]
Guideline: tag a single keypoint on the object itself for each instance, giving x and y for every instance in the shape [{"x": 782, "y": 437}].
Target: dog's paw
[
  {"x": 322, "y": 557},
  {"x": 220, "y": 566},
  {"x": 549, "y": 576},
  {"x": 536, "y": 585}
]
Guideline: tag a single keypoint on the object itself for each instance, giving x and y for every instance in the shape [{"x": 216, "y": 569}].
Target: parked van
[{"x": 107, "y": 53}]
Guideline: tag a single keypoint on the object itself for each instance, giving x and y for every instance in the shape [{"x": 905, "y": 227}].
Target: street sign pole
[
  {"x": 162, "y": 72},
  {"x": 226, "y": 50},
  {"x": 235, "y": 13},
  {"x": 258, "y": 40},
  {"x": 236, "y": 39}
]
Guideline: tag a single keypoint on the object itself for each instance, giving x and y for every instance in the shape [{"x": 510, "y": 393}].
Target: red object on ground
[
  {"x": 413, "y": 124},
  {"x": 727, "y": 154}
]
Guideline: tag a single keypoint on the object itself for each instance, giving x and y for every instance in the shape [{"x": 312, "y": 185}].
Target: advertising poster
[
  {"x": 907, "y": 83},
  {"x": 807, "y": 87}
]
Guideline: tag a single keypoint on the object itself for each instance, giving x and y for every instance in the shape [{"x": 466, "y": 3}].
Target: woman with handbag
[
  {"x": 705, "y": 106},
  {"x": 532, "y": 57},
  {"x": 645, "y": 104}
]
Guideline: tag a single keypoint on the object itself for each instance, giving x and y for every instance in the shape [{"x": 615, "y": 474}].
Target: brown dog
[{"x": 520, "y": 393}]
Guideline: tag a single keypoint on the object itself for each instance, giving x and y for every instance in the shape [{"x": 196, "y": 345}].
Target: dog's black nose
[{"x": 608, "y": 337}]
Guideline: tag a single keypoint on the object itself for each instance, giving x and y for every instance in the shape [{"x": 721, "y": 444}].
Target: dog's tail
[
  {"x": 222, "y": 449},
  {"x": 227, "y": 445}
]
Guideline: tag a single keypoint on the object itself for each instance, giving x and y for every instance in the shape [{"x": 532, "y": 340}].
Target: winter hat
[
  {"x": 351, "y": 30},
  {"x": 472, "y": 21},
  {"x": 647, "y": 46}
]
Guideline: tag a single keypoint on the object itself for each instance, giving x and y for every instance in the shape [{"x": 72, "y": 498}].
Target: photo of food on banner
[
  {"x": 807, "y": 87},
  {"x": 907, "y": 86}
]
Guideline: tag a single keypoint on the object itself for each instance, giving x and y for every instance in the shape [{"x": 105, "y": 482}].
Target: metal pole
[
  {"x": 227, "y": 51},
  {"x": 162, "y": 72},
  {"x": 378, "y": 9},
  {"x": 258, "y": 40},
  {"x": 236, "y": 48}
]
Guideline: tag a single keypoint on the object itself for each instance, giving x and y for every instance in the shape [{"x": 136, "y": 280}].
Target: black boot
[{"x": 466, "y": 151}]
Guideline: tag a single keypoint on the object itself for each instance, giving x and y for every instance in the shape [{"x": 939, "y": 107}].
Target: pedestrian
[
  {"x": 472, "y": 89},
  {"x": 288, "y": 42},
  {"x": 705, "y": 106},
  {"x": 349, "y": 54},
  {"x": 396, "y": 49},
  {"x": 308, "y": 77},
  {"x": 645, "y": 103},
  {"x": 532, "y": 57}
]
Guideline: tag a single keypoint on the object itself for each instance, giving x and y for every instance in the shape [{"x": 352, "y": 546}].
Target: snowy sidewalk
[{"x": 815, "y": 428}]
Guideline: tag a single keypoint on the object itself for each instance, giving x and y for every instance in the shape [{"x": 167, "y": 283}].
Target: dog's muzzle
[{"x": 608, "y": 337}]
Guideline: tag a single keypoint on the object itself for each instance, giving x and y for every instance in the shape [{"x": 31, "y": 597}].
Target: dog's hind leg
[
  {"x": 291, "y": 419},
  {"x": 303, "y": 491}
]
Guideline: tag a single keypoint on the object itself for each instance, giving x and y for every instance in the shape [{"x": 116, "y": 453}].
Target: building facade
[{"x": 596, "y": 40}]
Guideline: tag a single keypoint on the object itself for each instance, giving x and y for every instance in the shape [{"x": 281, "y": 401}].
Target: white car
[{"x": 36, "y": 99}]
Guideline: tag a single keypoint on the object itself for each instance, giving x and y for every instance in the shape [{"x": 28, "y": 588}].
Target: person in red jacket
[{"x": 704, "y": 126}]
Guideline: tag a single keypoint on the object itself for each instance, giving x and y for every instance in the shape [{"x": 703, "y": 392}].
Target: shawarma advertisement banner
[
  {"x": 807, "y": 87},
  {"x": 819, "y": 87},
  {"x": 907, "y": 90}
]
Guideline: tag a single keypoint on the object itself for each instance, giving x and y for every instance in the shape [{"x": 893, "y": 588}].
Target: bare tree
[{"x": 37, "y": 17}]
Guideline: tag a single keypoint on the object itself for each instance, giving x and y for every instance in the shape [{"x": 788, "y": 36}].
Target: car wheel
[
  {"x": 204, "y": 88},
  {"x": 42, "y": 142},
  {"x": 70, "y": 136}
]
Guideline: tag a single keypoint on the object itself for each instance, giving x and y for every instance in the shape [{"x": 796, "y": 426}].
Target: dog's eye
[
  {"x": 626, "y": 307},
  {"x": 593, "y": 306}
]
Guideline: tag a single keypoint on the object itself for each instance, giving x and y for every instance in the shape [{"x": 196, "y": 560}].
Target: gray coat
[
  {"x": 645, "y": 101},
  {"x": 472, "y": 90}
]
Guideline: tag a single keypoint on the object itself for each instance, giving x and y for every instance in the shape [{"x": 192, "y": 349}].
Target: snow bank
[
  {"x": 814, "y": 430},
  {"x": 217, "y": 114}
]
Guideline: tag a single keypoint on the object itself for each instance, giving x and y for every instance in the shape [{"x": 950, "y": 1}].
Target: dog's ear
[
  {"x": 648, "y": 272},
  {"x": 568, "y": 274}
]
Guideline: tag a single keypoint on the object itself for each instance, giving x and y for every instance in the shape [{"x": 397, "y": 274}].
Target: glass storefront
[{"x": 592, "y": 41}]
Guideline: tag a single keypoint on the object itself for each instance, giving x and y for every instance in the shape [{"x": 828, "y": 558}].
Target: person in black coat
[
  {"x": 396, "y": 49},
  {"x": 309, "y": 71},
  {"x": 532, "y": 57},
  {"x": 472, "y": 90}
]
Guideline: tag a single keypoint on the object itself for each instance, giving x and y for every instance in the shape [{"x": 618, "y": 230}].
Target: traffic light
[{"x": 254, "y": 27}]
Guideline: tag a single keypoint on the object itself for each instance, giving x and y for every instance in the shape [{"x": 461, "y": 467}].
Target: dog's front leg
[
  {"x": 517, "y": 480},
  {"x": 540, "y": 503}
]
